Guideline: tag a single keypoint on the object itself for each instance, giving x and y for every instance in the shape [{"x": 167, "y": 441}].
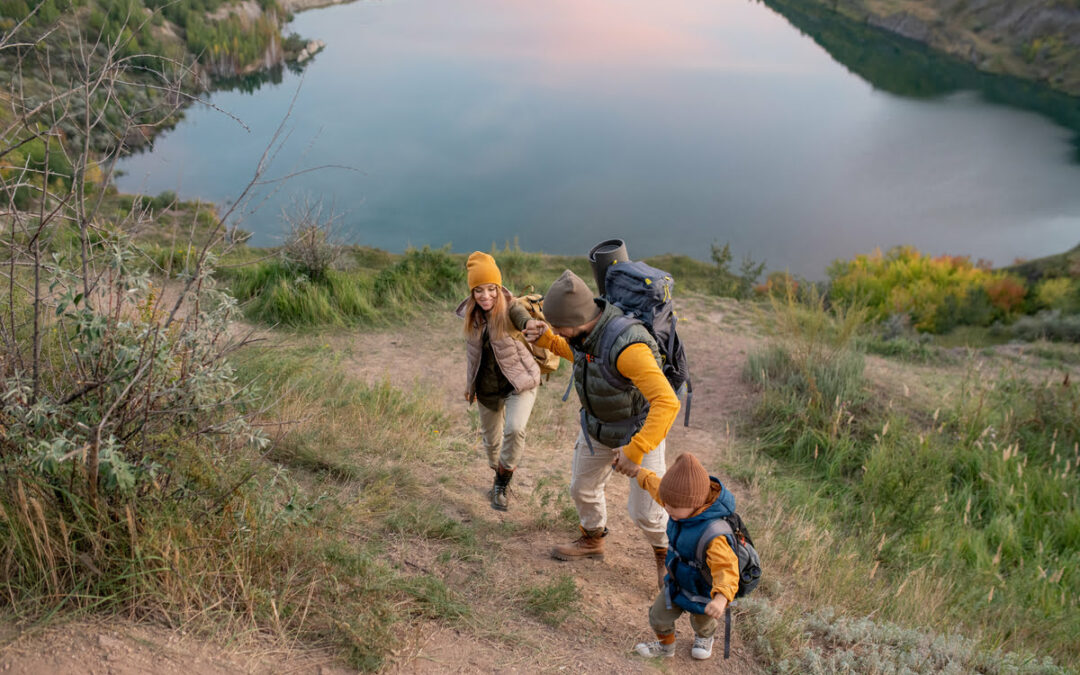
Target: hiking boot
[
  {"x": 500, "y": 490},
  {"x": 660, "y": 554},
  {"x": 655, "y": 649},
  {"x": 702, "y": 648},
  {"x": 589, "y": 545}
]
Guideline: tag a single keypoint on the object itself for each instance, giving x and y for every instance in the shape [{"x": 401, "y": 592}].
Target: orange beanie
[
  {"x": 482, "y": 270},
  {"x": 686, "y": 483}
]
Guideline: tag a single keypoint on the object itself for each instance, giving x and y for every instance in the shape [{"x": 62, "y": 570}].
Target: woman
[{"x": 502, "y": 374}]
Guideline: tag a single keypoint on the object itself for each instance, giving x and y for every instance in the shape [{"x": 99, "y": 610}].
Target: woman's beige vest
[{"x": 514, "y": 360}]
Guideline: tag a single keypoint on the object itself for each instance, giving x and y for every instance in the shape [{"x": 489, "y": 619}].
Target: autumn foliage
[{"x": 938, "y": 293}]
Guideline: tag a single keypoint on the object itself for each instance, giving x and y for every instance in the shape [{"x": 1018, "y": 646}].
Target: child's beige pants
[{"x": 663, "y": 619}]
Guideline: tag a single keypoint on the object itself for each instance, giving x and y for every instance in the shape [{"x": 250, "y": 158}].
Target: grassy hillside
[{"x": 334, "y": 497}]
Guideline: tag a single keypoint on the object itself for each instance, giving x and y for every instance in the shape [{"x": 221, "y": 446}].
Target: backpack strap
[
  {"x": 688, "y": 384},
  {"x": 614, "y": 328},
  {"x": 689, "y": 400},
  {"x": 716, "y": 528}
]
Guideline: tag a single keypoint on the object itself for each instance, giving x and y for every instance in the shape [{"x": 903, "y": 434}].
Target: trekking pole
[{"x": 727, "y": 631}]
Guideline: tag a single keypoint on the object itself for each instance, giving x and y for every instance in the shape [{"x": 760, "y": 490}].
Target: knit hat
[
  {"x": 686, "y": 483},
  {"x": 482, "y": 270},
  {"x": 569, "y": 302}
]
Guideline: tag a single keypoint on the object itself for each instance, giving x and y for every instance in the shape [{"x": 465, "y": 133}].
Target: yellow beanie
[{"x": 482, "y": 270}]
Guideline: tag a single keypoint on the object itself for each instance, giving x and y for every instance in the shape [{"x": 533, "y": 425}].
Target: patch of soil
[{"x": 118, "y": 647}]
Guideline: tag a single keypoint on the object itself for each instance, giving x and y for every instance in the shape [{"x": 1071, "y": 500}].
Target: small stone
[{"x": 109, "y": 643}]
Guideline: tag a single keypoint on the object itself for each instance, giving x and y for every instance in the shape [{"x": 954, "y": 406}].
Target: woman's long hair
[{"x": 497, "y": 320}]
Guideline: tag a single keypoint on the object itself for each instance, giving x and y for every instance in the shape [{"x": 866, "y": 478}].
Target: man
[{"x": 623, "y": 425}]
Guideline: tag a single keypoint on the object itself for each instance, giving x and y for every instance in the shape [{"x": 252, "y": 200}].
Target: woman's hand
[
  {"x": 534, "y": 328},
  {"x": 470, "y": 397},
  {"x": 716, "y": 607}
]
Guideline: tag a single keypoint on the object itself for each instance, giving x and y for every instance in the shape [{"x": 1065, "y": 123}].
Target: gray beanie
[{"x": 569, "y": 302}]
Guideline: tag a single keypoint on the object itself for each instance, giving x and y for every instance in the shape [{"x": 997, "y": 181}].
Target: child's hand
[{"x": 716, "y": 607}]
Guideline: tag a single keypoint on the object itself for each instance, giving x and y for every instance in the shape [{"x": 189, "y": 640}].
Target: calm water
[{"x": 673, "y": 125}]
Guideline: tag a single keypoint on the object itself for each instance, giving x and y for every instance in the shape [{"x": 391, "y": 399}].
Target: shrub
[
  {"x": 1006, "y": 293},
  {"x": 938, "y": 293},
  {"x": 311, "y": 246},
  {"x": 778, "y": 284},
  {"x": 274, "y": 292},
  {"x": 1061, "y": 294},
  {"x": 726, "y": 283},
  {"x": 520, "y": 269},
  {"x": 839, "y": 644},
  {"x": 1048, "y": 325}
]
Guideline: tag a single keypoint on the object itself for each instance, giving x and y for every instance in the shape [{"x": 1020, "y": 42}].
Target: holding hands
[
  {"x": 624, "y": 465},
  {"x": 534, "y": 328}
]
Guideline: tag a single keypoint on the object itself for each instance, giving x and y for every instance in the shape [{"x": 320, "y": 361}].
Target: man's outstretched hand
[{"x": 623, "y": 465}]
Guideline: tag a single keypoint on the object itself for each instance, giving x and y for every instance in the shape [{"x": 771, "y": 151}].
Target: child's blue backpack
[{"x": 733, "y": 528}]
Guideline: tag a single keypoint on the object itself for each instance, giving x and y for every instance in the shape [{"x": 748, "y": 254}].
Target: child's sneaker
[
  {"x": 655, "y": 649},
  {"x": 702, "y": 648}
]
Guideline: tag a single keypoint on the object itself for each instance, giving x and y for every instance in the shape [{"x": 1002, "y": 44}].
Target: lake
[{"x": 797, "y": 137}]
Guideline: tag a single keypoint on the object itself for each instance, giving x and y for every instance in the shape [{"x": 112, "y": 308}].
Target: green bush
[
  {"x": 1049, "y": 325},
  {"x": 906, "y": 348},
  {"x": 273, "y": 292},
  {"x": 1062, "y": 294},
  {"x": 839, "y": 644}
]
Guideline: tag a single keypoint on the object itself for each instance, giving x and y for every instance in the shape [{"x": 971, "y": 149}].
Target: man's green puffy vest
[{"x": 612, "y": 415}]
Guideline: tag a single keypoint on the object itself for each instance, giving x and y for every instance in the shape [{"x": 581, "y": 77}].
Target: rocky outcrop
[
  {"x": 905, "y": 25},
  {"x": 302, "y": 5},
  {"x": 310, "y": 49}
]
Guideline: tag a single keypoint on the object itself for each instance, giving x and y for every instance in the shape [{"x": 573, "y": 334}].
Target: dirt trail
[
  {"x": 499, "y": 637},
  {"x": 616, "y": 592}
]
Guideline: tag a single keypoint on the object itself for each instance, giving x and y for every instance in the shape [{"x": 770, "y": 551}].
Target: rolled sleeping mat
[{"x": 604, "y": 255}]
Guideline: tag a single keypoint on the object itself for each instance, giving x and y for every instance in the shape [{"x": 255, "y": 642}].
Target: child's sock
[{"x": 668, "y": 639}]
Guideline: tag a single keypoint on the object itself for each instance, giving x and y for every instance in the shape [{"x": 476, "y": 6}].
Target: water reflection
[
  {"x": 671, "y": 126},
  {"x": 907, "y": 68},
  {"x": 252, "y": 82}
]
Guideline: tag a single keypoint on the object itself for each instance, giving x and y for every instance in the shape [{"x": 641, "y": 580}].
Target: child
[
  {"x": 501, "y": 373},
  {"x": 692, "y": 499}
]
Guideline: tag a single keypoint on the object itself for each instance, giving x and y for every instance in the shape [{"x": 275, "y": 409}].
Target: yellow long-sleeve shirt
[
  {"x": 637, "y": 364},
  {"x": 722, "y": 562}
]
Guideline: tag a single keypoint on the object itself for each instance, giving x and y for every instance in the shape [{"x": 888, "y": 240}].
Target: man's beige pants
[{"x": 591, "y": 470}]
